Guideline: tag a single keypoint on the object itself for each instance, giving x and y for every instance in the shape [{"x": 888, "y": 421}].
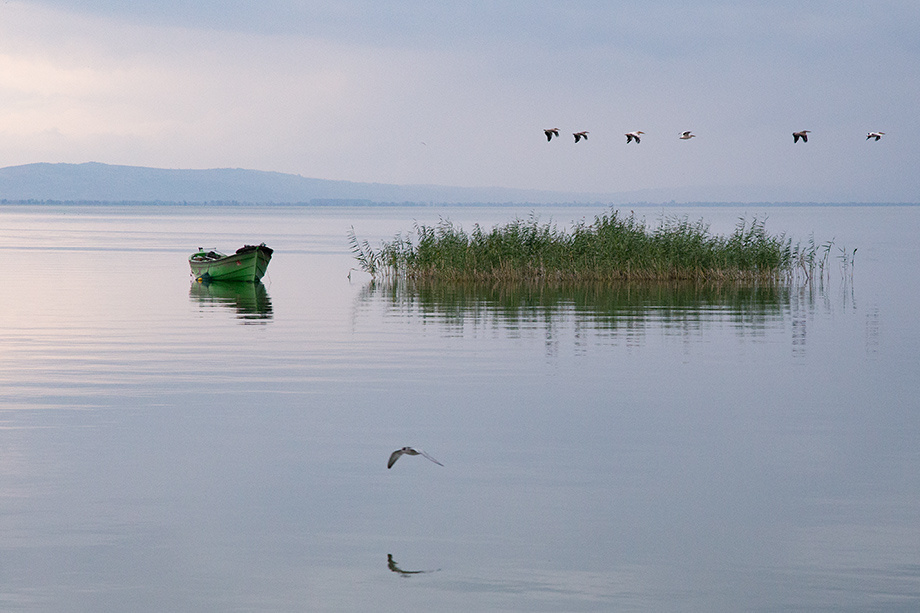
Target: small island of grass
[{"x": 612, "y": 248}]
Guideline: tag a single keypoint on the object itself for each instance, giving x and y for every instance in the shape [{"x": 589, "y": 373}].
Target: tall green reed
[{"x": 612, "y": 247}]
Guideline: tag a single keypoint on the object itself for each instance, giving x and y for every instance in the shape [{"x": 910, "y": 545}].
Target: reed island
[{"x": 613, "y": 247}]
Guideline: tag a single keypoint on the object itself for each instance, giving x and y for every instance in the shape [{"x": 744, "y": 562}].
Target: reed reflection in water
[{"x": 625, "y": 310}]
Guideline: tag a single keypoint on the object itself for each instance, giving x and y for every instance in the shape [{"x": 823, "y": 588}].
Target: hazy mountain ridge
[{"x": 96, "y": 182}]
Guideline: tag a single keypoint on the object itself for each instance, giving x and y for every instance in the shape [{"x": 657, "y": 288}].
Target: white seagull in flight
[
  {"x": 686, "y": 135},
  {"x": 875, "y": 135},
  {"x": 408, "y": 451}
]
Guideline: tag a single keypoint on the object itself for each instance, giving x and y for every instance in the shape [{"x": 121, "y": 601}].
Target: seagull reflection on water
[
  {"x": 391, "y": 564},
  {"x": 408, "y": 451}
]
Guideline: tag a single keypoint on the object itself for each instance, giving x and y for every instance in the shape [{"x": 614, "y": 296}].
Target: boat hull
[{"x": 248, "y": 264}]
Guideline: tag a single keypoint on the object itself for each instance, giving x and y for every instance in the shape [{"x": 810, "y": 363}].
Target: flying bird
[
  {"x": 686, "y": 135},
  {"x": 803, "y": 135},
  {"x": 580, "y": 135},
  {"x": 550, "y": 133},
  {"x": 408, "y": 451},
  {"x": 633, "y": 136},
  {"x": 875, "y": 135}
]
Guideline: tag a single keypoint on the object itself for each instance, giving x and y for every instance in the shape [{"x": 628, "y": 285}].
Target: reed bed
[{"x": 611, "y": 248}]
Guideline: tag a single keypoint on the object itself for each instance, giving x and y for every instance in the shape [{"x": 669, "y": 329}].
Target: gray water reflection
[
  {"x": 730, "y": 480},
  {"x": 759, "y": 454},
  {"x": 249, "y": 301}
]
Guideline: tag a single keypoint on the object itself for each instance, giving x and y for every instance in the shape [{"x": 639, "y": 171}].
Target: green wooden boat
[{"x": 247, "y": 264}]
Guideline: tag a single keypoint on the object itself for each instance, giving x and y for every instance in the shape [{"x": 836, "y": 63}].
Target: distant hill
[{"x": 95, "y": 182}]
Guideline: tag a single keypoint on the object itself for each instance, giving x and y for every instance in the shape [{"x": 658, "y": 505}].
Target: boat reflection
[{"x": 250, "y": 301}]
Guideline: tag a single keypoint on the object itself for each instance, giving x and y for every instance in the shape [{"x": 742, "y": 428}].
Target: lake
[{"x": 171, "y": 446}]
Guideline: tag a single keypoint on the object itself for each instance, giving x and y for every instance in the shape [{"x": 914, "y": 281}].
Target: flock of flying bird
[{"x": 686, "y": 135}]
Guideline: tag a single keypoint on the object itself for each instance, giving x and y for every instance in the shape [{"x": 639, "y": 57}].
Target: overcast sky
[{"x": 458, "y": 93}]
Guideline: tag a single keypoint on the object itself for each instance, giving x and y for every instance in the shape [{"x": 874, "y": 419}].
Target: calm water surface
[{"x": 167, "y": 446}]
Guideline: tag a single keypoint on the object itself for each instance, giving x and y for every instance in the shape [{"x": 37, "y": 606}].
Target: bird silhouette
[
  {"x": 550, "y": 133},
  {"x": 686, "y": 135},
  {"x": 580, "y": 135},
  {"x": 633, "y": 136},
  {"x": 875, "y": 135},
  {"x": 408, "y": 451},
  {"x": 803, "y": 135}
]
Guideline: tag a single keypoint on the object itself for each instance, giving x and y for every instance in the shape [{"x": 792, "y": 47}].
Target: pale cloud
[
  {"x": 202, "y": 98},
  {"x": 22, "y": 76}
]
